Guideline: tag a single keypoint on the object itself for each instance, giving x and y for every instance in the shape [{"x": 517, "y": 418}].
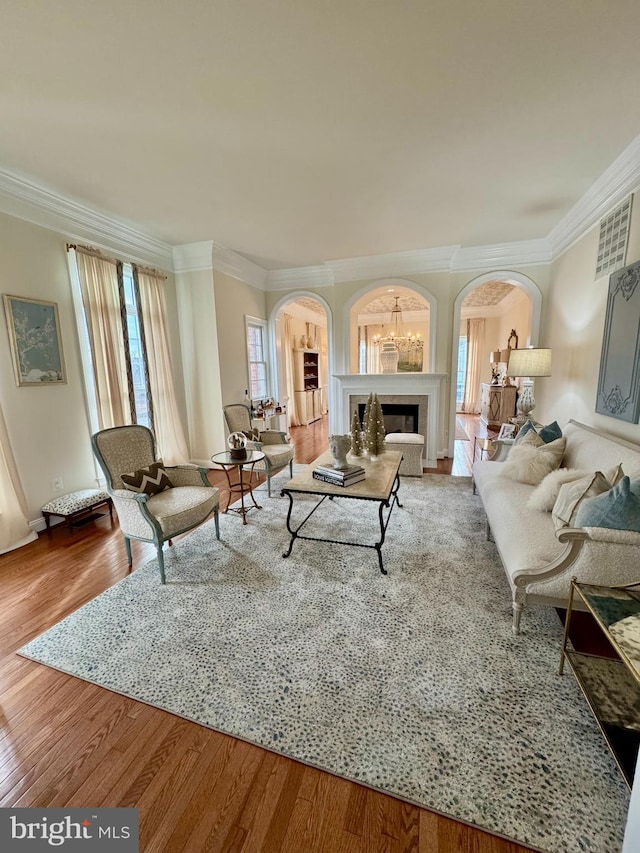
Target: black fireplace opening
[{"x": 397, "y": 417}]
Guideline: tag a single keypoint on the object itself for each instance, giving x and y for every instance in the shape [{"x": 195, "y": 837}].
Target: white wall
[
  {"x": 573, "y": 325},
  {"x": 48, "y": 426}
]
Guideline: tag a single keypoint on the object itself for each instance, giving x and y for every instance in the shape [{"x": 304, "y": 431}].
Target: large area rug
[{"x": 412, "y": 683}]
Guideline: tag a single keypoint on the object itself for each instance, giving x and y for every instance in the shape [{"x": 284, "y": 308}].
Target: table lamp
[
  {"x": 494, "y": 361},
  {"x": 527, "y": 364}
]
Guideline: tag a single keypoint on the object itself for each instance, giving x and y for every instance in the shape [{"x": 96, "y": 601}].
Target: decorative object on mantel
[
  {"x": 340, "y": 445},
  {"x": 374, "y": 430},
  {"x": 237, "y": 442},
  {"x": 356, "y": 434},
  {"x": 527, "y": 363},
  {"x": 619, "y": 379},
  {"x": 35, "y": 341},
  {"x": 400, "y": 350}
]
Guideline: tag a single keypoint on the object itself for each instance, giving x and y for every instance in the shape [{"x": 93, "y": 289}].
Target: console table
[
  {"x": 497, "y": 404},
  {"x": 611, "y": 685}
]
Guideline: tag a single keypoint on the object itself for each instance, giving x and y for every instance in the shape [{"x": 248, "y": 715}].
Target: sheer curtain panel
[
  {"x": 167, "y": 424},
  {"x": 287, "y": 347},
  {"x": 14, "y": 527},
  {"x": 475, "y": 349},
  {"x": 101, "y": 302}
]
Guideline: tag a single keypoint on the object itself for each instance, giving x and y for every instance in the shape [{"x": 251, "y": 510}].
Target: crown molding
[
  {"x": 191, "y": 257},
  {"x": 237, "y": 266},
  {"x": 614, "y": 184},
  {"x": 23, "y": 198},
  {"x": 395, "y": 263},
  {"x": 286, "y": 279},
  {"x": 521, "y": 253}
]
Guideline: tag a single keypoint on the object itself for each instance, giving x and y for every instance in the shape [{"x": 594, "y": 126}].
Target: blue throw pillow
[
  {"x": 547, "y": 433},
  {"x": 524, "y": 429},
  {"x": 617, "y": 509},
  {"x": 550, "y": 432}
]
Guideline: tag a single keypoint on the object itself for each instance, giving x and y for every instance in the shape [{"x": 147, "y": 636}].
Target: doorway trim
[
  {"x": 285, "y": 299},
  {"x": 510, "y": 277}
]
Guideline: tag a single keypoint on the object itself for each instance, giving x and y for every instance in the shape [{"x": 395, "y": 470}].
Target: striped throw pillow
[{"x": 148, "y": 481}]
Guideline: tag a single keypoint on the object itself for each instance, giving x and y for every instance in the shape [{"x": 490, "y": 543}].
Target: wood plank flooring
[{"x": 64, "y": 742}]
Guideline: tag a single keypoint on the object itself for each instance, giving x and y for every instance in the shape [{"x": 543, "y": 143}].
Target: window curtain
[
  {"x": 14, "y": 527},
  {"x": 167, "y": 425},
  {"x": 99, "y": 287},
  {"x": 288, "y": 344},
  {"x": 475, "y": 348}
]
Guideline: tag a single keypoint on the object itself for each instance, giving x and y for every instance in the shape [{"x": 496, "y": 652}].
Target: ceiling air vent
[{"x": 614, "y": 231}]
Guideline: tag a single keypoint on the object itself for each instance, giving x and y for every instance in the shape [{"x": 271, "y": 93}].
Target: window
[
  {"x": 462, "y": 370},
  {"x": 257, "y": 358},
  {"x": 139, "y": 387}
]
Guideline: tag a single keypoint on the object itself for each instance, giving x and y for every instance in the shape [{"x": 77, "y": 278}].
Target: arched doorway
[
  {"x": 487, "y": 312},
  {"x": 301, "y": 333},
  {"x": 369, "y": 318}
]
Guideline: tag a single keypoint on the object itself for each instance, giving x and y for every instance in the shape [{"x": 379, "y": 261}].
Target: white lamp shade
[
  {"x": 495, "y": 357},
  {"x": 529, "y": 362}
]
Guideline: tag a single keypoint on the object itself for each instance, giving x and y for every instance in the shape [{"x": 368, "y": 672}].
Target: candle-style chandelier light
[{"x": 399, "y": 348}]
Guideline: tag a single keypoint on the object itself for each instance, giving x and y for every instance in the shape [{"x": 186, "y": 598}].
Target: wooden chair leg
[{"x": 216, "y": 521}]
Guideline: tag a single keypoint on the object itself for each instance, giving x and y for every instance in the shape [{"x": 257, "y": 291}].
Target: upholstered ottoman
[
  {"x": 77, "y": 505},
  {"x": 411, "y": 445}
]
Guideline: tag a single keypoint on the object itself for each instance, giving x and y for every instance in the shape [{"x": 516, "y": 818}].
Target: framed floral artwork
[{"x": 35, "y": 341}]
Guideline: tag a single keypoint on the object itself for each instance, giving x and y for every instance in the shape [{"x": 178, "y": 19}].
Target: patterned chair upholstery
[
  {"x": 275, "y": 445},
  {"x": 152, "y": 518}
]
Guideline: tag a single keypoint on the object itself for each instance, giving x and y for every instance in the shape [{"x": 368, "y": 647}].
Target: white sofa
[{"x": 540, "y": 561}]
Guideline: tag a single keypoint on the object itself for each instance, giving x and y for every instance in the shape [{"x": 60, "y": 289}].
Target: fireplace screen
[{"x": 397, "y": 417}]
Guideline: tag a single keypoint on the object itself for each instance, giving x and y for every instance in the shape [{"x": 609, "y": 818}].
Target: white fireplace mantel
[{"x": 409, "y": 384}]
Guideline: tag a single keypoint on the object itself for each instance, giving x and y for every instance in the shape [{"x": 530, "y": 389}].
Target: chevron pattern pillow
[{"x": 149, "y": 480}]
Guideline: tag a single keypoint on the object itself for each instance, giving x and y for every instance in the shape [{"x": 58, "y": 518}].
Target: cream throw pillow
[
  {"x": 545, "y": 495},
  {"x": 572, "y": 494},
  {"x": 530, "y": 463}
]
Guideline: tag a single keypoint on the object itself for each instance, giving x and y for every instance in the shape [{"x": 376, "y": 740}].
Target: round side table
[{"x": 240, "y": 487}]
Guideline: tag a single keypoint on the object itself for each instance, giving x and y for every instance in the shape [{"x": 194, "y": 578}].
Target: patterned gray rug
[{"x": 412, "y": 683}]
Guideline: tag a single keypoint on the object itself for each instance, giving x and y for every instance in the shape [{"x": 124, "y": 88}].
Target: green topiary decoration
[
  {"x": 375, "y": 432},
  {"x": 365, "y": 418},
  {"x": 356, "y": 435}
]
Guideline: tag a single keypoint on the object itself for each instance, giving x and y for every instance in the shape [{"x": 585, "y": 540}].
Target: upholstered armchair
[
  {"x": 275, "y": 445},
  {"x": 183, "y": 496}
]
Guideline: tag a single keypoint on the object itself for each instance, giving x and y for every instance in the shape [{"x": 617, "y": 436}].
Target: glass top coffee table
[
  {"x": 240, "y": 486},
  {"x": 380, "y": 485}
]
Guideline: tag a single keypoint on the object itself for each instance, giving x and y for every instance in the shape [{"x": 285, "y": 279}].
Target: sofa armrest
[
  {"x": 502, "y": 447},
  {"x": 594, "y": 555},
  {"x": 607, "y": 534}
]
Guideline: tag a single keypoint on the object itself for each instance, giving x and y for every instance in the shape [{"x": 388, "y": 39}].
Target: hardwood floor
[{"x": 64, "y": 742}]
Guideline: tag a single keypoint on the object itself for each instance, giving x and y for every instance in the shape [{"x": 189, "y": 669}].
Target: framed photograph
[
  {"x": 506, "y": 431},
  {"x": 34, "y": 338}
]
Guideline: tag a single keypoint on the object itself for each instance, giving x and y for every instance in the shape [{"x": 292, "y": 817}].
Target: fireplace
[
  {"x": 421, "y": 390},
  {"x": 397, "y": 417}
]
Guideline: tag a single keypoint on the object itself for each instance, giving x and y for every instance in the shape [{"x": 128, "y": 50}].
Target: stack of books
[{"x": 339, "y": 477}]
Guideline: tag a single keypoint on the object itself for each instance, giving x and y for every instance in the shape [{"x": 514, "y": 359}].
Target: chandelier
[{"x": 407, "y": 345}]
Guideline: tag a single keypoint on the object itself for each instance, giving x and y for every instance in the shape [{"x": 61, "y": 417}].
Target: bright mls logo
[{"x": 85, "y": 830}]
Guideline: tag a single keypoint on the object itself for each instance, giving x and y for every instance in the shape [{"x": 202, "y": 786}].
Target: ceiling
[{"x": 300, "y": 131}]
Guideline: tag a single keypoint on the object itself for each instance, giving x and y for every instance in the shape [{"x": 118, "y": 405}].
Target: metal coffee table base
[{"x": 385, "y": 509}]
